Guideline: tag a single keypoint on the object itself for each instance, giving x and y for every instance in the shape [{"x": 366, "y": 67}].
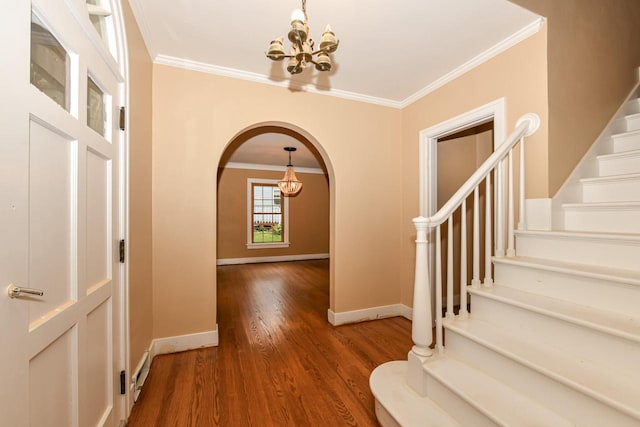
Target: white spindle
[
  {"x": 522, "y": 224},
  {"x": 450, "y": 267},
  {"x": 438, "y": 296},
  {"x": 421, "y": 327},
  {"x": 510, "y": 220},
  {"x": 475, "y": 281},
  {"x": 488, "y": 281},
  {"x": 499, "y": 212},
  {"x": 463, "y": 260}
]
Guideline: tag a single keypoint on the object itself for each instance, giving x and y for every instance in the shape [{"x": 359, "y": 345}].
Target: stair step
[
  {"x": 627, "y": 141},
  {"x": 633, "y": 106},
  {"x": 613, "y": 250},
  {"x": 582, "y": 284},
  {"x": 604, "y": 337},
  {"x": 615, "y": 217},
  {"x": 545, "y": 374},
  {"x": 615, "y": 188},
  {"x": 632, "y": 122},
  {"x": 398, "y": 405},
  {"x": 619, "y": 163},
  {"x": 455, "y": 382}
]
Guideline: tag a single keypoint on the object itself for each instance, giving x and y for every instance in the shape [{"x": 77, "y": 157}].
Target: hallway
[{"x": 279, "y": 362}]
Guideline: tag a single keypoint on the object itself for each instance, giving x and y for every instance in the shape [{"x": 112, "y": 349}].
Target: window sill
[{"x": 267, "y": 245}]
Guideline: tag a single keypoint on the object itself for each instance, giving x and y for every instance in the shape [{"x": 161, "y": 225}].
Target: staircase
[{"x": 554, "y": 338}]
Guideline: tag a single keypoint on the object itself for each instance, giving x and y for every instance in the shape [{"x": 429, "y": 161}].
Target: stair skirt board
[
  {"x": 596, "y": 249},
  {"x": 616, "y": 349},
  {"x": 570, "y": 283},
  {"x": 560, "y": 397}
]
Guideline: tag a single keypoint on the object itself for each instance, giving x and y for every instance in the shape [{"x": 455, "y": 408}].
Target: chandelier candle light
[
  {"x": 290, "y": 185},
  {"x": 302, "y": 45}
]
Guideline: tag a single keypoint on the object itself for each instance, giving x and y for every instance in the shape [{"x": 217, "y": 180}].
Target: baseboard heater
[{"x": 140, "y": 374}]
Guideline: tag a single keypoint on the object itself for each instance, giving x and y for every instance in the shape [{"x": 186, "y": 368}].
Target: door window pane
[
  {"x": 49, "y": 64},
  {"x": 95, "y": 107}
]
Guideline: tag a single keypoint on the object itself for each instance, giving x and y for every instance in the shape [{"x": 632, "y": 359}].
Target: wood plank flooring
[{"x": 278, "y": 363}]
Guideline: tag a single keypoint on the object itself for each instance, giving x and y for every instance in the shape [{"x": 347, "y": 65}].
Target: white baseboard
[
  {"x": 366, "y": 314},
  {"x": 184, "y": 342},
  {"x": 280, "y": 258}
]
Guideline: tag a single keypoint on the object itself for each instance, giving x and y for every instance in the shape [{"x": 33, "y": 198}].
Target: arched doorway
[{"x": 287, "y": 228}]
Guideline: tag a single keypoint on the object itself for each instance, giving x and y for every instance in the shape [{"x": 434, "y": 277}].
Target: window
[
  {"x": 49, "y": 64},
  {"x": 267, "y": 215}
]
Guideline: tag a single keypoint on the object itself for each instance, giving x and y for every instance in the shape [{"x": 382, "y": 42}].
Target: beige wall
[
  {"x": 519, "y": 75},
  {"x": 594, "y": 52},
  {"x": 308, "y": 215},
  {"x": 140, "y": 286},
  {"x": 195, "y": 115}
]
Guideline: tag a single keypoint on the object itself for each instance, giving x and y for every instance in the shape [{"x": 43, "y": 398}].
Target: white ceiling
[{"x": 391, "y": 52}]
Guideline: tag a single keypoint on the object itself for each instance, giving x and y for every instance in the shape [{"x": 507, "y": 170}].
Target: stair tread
[
  {"x": 501, "y": 403},
  {"x": 630, "y": 153},
  {"x": 611, "y": 178},
  {"x": 589, "y": 235},
  {"x": 389, "y": 386},
  {"x": 587, "y": 270},
  {"x": 620, "y": 391},
  {"x": 602, "y": 205},
  {"x": 630, "y": 132},
  {"x": 621, "y": 325}
]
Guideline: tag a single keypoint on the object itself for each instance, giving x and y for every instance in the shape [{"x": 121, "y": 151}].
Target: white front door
[{"x": 60, "y": 353}]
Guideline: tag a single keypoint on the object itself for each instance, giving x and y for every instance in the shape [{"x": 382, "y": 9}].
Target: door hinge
[
  {"x": 122, "y": 382},
  {"x": 121, "y": 118},
  {"x": 122, "y": 251}
]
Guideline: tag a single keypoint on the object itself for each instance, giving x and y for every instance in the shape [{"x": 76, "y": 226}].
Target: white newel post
[{"x": 422, "y": 322}]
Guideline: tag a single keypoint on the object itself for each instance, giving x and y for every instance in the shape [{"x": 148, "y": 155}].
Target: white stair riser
[
  {"x": 611, "y": 190},
  {"x": 613, "y": 220},
  {"x": 621, "y": 298},
  {"x": 618, "y": 353},
  {"x": 633, "y": 122},
  {"x": 633, "y": 106},
  {"x": 607, "y": 253},
  {"x": 575, "y": 406},
  {"x": 458, "y": 408},
  {"x": 626, "y": 142},
  {"x": 619, "y": 165}
]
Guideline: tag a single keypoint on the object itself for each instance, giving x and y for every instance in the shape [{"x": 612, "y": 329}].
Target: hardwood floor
[{"x": 279, "y": 362}]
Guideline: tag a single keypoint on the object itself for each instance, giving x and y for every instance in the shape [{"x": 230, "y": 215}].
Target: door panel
[
  {"x": 59, "y": 205},
  {"x": 50, "y": 220}
]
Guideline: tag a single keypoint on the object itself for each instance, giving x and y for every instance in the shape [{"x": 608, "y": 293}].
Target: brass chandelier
[
  {"x": 302, "y": 46},
  {"x": 289, "y": 185}
]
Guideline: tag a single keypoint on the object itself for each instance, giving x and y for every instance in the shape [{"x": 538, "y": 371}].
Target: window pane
[
  {"x": 95, "y": 107},
  {"x": 49, "y": 64},
  {"x": 267, "y": 214},
  {"x": 99, "y": 21}
]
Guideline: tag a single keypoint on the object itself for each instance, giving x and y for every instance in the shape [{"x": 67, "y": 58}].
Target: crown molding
[
  {"x": 276, "y": 168},
  {"x": 140, "y": 15},
  {"x": 188, "y": 64},
  {"x": 261, "y": 78},
  {"x": 492, "y": 52}
]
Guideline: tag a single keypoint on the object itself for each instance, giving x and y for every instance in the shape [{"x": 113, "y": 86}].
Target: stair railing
[{"x": 422, "y": 325}]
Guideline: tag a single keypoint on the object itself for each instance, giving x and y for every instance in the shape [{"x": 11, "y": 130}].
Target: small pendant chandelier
[
  {"x": 302, "y": 45},
  {"x": 290, "y": 185}
]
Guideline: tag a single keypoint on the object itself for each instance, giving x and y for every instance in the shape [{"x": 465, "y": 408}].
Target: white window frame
[{"x": 285, "y": 216}]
